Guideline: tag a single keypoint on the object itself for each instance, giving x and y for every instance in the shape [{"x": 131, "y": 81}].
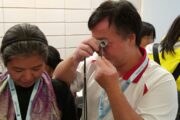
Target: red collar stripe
[{"x": 128, "y": 74}]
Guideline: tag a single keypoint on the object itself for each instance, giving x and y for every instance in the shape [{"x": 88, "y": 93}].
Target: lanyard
[
  {"x": 103, "y": 110},
  {"x": 15, "y": 99}
]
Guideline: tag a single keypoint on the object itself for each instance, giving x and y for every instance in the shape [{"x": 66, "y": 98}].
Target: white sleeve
[{"x": 78, "y": 83}]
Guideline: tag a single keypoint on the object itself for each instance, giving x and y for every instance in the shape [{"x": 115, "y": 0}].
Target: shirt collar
[{"x": 132, "y": 70}]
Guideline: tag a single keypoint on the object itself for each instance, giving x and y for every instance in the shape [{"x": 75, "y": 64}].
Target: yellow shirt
[{"x": 170, "y": 62}]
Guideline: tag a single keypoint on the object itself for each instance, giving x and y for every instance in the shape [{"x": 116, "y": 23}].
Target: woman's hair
[
  {"x": 23, "y": 40},
  {"x": 53, "y": 58},
  {"x": 171, "y": 37},
  {"x": 147, "y": 29}
]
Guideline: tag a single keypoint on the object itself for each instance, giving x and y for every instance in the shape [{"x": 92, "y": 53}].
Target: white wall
[
  {"x": 64, "y": 22},
  {"x": 160, "y": 13},
  {"x": 137, "y": 4}
]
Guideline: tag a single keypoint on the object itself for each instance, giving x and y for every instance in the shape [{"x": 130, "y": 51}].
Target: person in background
[
  {"x": 168, "y": 53},
  {"x": 147, "y": 34},
  {"x": 52, "y": 60},
  {"x": 122, "y": 83},
  {"x": 26, "y": 90}
]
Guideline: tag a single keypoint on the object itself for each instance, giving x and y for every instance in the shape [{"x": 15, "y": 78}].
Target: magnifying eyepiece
[{"x": 103, "y": 43}]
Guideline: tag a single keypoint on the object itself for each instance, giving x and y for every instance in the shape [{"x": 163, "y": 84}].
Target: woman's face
[{"x": 25, "y": 70}]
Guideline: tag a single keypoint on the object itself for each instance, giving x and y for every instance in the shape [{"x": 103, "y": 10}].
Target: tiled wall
[{"x": 63, "y": 21}]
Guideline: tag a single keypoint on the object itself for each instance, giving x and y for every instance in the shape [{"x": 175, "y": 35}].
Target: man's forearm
[{"x": 66, "y": 70}]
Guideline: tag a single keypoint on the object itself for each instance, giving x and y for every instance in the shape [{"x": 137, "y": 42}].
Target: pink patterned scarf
[{"x": 44, "y": 106}]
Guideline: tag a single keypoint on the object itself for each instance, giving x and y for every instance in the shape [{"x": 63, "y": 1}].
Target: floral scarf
[{"x": 44, "y": 105}]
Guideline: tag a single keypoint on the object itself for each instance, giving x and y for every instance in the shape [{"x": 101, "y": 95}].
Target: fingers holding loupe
[{"x": 102, "y": 45}]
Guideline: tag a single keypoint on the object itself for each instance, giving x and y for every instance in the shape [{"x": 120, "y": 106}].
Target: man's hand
[
  {"x": 85, "y": 49},
  {"x": 106, "y": 73}
]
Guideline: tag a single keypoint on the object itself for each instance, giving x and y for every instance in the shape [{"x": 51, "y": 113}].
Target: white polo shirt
[{"x": 153, "y": 95}]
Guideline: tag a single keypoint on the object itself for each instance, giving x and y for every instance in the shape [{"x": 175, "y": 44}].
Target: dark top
[{"x": 65, "y": 100}]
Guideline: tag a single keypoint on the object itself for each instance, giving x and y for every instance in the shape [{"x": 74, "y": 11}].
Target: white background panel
[
  {"x": 1, "y": 3},
  {"x": 50, "y": 15},
  {"x": 77, "y": 28},
  {"x": 69, "y": 51},
  {"x": 19, "y": 15},
  {"x": 52, "y": 28},
  {"x": 78, "y": 4},
  {"x": 62, "y": 53},
  {"x": 74, "y": 41},
  {"x": 19, "y": 3},
  {"x": 96, "y": 3},
  {"x": 56, "y": 41},
  {"x": 1, "y": 14},
  {"x": 77, "y": 15},
  {"x": 49, "y": 3},
  {"x": 1, "y": 30}
]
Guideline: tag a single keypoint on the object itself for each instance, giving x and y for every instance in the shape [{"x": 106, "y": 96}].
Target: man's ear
[{"x": 132, "y": 39}]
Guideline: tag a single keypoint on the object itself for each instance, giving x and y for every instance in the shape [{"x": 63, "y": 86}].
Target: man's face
[
  {"x": 24, "y": 70},
  {"x": 118, "y": 47}
]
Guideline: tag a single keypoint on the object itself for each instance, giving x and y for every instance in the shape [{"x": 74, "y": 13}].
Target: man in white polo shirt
[{"x": 122, "y": 83}]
